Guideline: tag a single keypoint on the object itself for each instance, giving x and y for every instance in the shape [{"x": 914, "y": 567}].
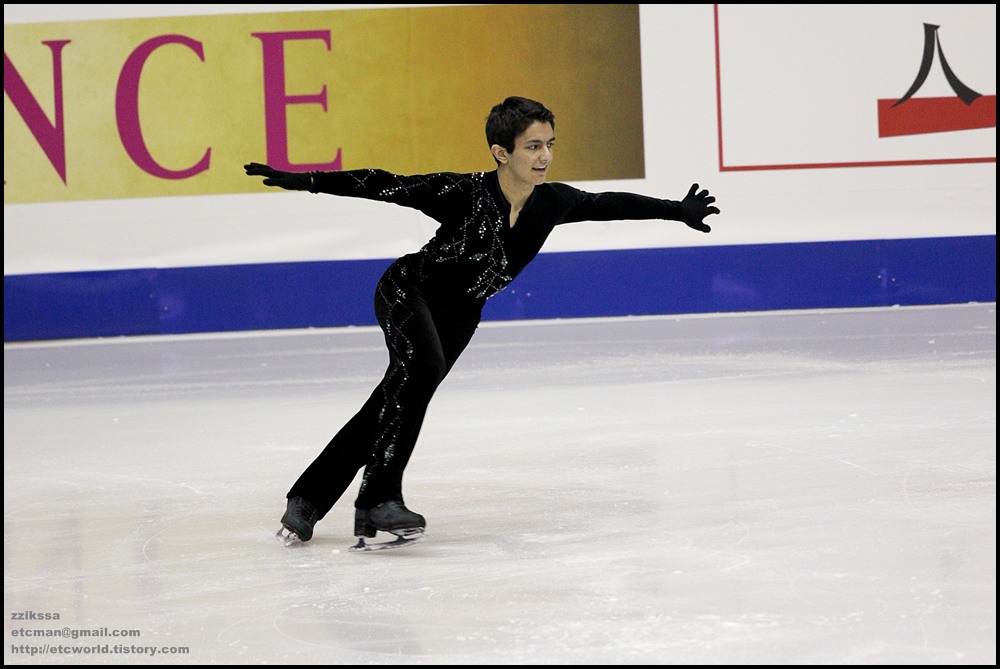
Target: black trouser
[{"x": 424, "y": 335}]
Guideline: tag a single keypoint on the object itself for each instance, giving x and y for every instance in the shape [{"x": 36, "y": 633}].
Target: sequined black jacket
[{"x": 475, "y": 252}]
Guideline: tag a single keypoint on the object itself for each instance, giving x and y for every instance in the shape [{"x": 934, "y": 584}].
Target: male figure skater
[{"x": 429, "y": 303}]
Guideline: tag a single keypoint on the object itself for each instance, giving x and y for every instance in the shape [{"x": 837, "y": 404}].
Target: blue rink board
[{"x": 761, "y": 277}]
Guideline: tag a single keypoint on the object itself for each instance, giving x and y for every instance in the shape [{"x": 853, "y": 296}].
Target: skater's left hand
[
  {"x": 286, "y": 180},
  {"x": 695, "y": 207}
]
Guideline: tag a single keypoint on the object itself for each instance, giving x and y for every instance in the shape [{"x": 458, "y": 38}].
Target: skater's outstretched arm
[
  {"x": 439, "y": 195},
  {"x": 615, "y": 205}
]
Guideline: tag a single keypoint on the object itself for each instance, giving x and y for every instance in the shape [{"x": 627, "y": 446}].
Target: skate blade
[
  {"x": 286, "y": 537},
  {"x": 399, "y": 542}
]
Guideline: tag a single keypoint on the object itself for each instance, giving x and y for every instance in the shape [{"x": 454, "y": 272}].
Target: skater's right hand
[{"x": 286, "y": 180}]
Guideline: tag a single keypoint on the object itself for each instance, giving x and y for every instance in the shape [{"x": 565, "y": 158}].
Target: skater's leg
[
  {"x": 423, "y": 347},
  {"x": 331, "y": 473},
  {"x": 424, "y": 341}
]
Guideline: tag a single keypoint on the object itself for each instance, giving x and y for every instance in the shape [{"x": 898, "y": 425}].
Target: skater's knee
[{"x": 428, "y": 371}]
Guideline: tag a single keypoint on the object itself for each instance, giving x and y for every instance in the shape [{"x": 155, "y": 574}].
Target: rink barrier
[{"x": 320, "y": 294}]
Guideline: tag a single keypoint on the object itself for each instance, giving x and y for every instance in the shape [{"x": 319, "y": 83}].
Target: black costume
[{"x": 429, "y": 304}]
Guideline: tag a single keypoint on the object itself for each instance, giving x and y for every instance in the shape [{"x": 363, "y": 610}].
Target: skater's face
[{"x": 529, "y": 161}]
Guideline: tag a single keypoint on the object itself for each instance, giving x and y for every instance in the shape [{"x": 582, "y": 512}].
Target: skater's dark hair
[{"x": 511, "y": 118}]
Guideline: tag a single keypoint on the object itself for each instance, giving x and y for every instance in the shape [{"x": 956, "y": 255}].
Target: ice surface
[{"x": 814, "y": 487}]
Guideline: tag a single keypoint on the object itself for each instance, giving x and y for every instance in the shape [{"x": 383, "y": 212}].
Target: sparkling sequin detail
[
  {"x": 467, "y": 251},
  {"x": 397, "y": 377}
]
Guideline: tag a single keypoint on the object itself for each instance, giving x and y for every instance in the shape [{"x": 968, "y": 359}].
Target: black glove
[
  {"x": 694, "y": 208},
  {"x": 286, "y": 180}
]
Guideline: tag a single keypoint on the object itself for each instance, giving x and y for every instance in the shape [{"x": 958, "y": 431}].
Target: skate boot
[
  {"x": 392, "y": 517},
  {"x": 297, "y": 523}
]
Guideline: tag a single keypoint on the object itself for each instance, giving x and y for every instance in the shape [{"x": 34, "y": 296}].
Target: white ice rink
[{"x": 814, "y": 487}]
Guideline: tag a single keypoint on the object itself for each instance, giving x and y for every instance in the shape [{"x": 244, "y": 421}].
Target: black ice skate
[
  {"x": 392, "y": 517},
  {"x": 297, "y": 523}
]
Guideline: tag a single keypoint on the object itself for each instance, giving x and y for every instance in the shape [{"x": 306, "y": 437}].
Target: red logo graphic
[{"x": 915, "y": 116}]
